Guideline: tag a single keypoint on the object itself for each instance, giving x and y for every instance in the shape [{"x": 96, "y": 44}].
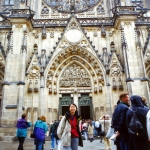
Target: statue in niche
[
  {"x": 43, "y": 58},
  {"x": 105, "y": 57},
  {"x": 44, "y": 32},
  {"x": 114, "y": 82},
  {"x": 120, "y": 83},
  {"x": 52, "y": 34},
  {"x": 103, "y": 31}
]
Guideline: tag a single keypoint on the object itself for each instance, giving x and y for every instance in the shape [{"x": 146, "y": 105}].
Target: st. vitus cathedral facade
[{"x": 55, "y": 52}]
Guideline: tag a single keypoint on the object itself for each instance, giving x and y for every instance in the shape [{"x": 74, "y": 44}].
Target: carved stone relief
[
  {"x": 73, "y": 25},
  {"x": 10, "y": 42},
  {"x": 34, "y": 73},
  {"x": 75, "y": 76},
  {"x": 45, "y": 10},
  {"x": 116, "y": 75},
  {"x": 33, "y": 76},
  {"x": 64, "y": 44},
  {"x": 115, "y": 70}
]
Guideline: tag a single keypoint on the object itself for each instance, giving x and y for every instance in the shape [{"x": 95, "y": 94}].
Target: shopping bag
[{"x": 110, "y": 132}]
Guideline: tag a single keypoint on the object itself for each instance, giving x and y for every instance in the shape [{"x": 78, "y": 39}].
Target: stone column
[
  {"x": 21, "y": 82},
  {"x": 133, "y": 59},
  {"x": 42, "y": 103},
  {"x": 75, "y": 98}
]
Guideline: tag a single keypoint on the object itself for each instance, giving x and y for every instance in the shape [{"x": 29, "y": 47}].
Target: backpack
[
  {"x": 135, "y": 126},
  {"x": 52, "y": 129}
]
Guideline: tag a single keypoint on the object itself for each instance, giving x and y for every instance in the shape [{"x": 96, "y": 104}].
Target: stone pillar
[
  {"x": 136, "y": 83},
  {"x": 21, "y": 82},
  {"x": 75, "y": 98},
  {"x": 42, "y": 103}
]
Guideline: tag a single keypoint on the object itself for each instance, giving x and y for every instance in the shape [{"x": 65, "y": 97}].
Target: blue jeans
[
  {"x": 59, "y": 145},
  {"x": 39, "y": 144},
  {"x": 74, "y": 144},
  {"x": 85, "y": 135},
  {"x": 53, "y": 142}
]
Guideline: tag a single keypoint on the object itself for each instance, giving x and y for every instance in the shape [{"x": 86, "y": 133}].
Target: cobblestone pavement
[{"x": 29, "y": 145}]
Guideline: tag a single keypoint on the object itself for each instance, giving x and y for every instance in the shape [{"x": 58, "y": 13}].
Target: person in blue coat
[
  {"x": 40, "y": 128},
  {"x": 138, "y": 142},
  {"x": 119, "y": 122},
  {"x": 22, "y": 125}
]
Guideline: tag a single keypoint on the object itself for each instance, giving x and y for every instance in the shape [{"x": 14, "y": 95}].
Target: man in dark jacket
[
  {"x": 119, "y": 121},
  {"x": 138, "y": 142}
]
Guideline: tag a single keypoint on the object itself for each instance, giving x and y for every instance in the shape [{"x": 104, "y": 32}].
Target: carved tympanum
[{"x": 75, "y": 76}]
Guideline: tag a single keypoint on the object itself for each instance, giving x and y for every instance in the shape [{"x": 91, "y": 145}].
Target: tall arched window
[{"x": 8, "y": 2}]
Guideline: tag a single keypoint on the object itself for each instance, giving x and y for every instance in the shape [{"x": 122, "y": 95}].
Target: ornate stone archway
[{"x": 75, "y": 71}]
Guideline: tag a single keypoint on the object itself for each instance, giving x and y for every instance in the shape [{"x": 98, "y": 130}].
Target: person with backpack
[
  {"x": 53, "y": 130},
  {"x": 68, "y": 130},
  {"x": 136, "y": 123},
  {"x": 119, "y": 122}
]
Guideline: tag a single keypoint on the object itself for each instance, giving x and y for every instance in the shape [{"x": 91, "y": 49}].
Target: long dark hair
[{"x": 76, "y": 113}]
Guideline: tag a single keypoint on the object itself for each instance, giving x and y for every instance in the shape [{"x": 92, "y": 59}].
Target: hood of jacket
[
  {"x": 136, "y": 101},
  {"x": 22, "y": 123}
]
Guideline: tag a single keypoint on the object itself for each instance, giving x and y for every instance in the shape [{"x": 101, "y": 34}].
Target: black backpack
[
  {"x": 52, "y": 128},
  {"x": 135, "y": 126}
]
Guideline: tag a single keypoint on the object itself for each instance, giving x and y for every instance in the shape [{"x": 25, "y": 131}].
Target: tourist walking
[
  {"x": 91, "y": 132},
  {"x": 40, "y": 129},
  {"x": 105, "y": 123},
  {"x": 119, "y": 122},
  {"x": 53, "y": 134},
  {"x": 98, "y": 127},
  {"x": 68, "y": 129},
  {"x": 22, "y": 125},
  {"x": 140, "y": 141},
  {"x": 85, "y": 130}
]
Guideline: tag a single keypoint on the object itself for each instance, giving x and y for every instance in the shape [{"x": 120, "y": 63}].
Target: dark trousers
[
  {"x": 21, "y": 141},
  {"x": 123, "y": 142}
]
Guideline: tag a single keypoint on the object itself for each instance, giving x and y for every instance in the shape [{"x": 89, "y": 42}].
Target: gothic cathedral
[{"x": 57, "y": 52}]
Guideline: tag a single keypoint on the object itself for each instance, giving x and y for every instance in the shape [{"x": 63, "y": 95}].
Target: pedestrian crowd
[{"x": 129, "y": 127}]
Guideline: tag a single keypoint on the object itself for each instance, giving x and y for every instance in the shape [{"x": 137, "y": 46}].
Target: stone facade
[{"x": 52, "y": 56}]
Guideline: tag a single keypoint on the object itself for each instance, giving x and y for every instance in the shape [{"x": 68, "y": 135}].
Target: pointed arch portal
[{"x": 74, "y": 75}]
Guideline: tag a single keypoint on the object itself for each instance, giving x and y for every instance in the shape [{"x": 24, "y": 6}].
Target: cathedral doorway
[
  {"x": 64, "y": 102},
  {"x": 85, "y": 112},
  {"x": 85, "y": 106},
  {"x": 64, "y": 109}
]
